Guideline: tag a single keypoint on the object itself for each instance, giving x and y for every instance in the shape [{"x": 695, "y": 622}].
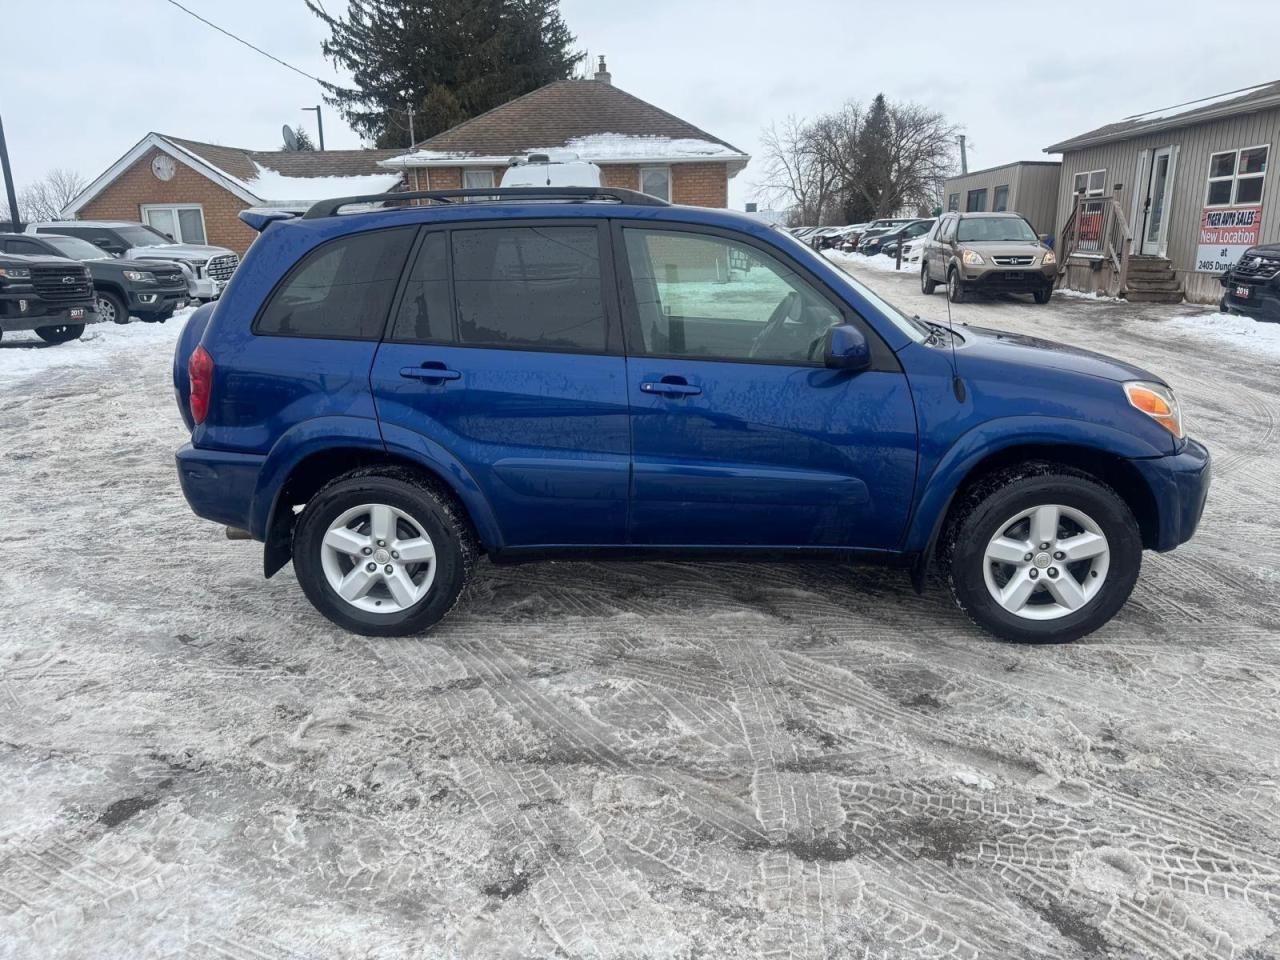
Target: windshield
[
  {"x": 995, "y": 230},
  {"x": 913, "y": 328},
  {"x": 137, "y": 235},
  {"x": 75, "y": 248}
]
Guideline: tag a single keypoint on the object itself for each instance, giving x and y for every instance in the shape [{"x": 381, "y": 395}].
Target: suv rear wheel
[
  {"x": 380, "y": 554},
  {"x": 1042, "y": 554}
]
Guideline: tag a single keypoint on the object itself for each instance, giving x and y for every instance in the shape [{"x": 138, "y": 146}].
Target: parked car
[
  {"x": 913, "y": 249},
  {"x": 849, "y": 242},
  {"x": 887, "y": 243},
  {"x": 51, "y": 295},
  {"x": 560, "y": 168},
  {"x": 386, "y": 395},
  {"x": 147, "y": 289},
  {"x": 878, "y": 227},
  {"x": 1252, "y": 286},
  {"x": 208, "y": 268},
  {"x": 987, "y": 253}
]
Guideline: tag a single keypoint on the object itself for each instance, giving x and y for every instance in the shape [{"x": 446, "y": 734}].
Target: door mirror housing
[{"x": 846, "y": 348}]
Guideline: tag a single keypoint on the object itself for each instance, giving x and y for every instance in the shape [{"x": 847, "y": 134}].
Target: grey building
[
  {"x": 1028, "y": 187},
  {"x": 1187, "y": 189}
]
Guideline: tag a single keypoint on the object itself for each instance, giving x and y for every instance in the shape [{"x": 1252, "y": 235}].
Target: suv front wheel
[
  {"x": 1042, "y": 553},
  {"x": 927, "y": 283},
  {"x": 955, "y": 286},
  {"x": 380, "y": 554}
]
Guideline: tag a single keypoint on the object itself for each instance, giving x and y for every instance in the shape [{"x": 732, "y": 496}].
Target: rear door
[
  {"x": 505, "y": 350},
  {"x": 740, "y": 435}
]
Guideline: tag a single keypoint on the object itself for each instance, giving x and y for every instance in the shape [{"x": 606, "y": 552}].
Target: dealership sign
[{"x": 1225, "y": 234}]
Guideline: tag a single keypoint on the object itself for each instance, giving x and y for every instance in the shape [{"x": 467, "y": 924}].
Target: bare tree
[
  {"x": 46, "y": 198},
  {"x": 796, "y": 173}
]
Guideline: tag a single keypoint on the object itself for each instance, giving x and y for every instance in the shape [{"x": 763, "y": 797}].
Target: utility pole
[
  {"x": 14, "y": 225},
  {"x": 964, "y": 159},
  {"x": 412, "y": 138},
  {"x": 319, "y": 124}
]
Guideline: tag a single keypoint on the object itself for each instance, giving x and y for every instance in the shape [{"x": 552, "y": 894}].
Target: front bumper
[
  {"x": 157, "y": 301},
  {"x": 1180, "y": 485},
  {"x": 1010, "y": 279},
  {"x": 1262, "y": 303},
  {"x": 220, "y": 485},
  {"x": 19, "y": 311}
]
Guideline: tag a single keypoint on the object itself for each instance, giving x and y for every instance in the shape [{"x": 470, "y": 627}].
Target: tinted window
[
  {"x": 341, "y": 290},
  {"x": 706, "y": 297},
  {"x": 529, "y": 287},
  {"x": 996, "y": 230},
  {"x": 976, "y": 201},
  {"x": 29, "y": 248},
  {"x": 425, "y": 313}
]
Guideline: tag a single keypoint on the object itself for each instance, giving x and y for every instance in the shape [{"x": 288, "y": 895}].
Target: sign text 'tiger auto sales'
[{"x": 1225, "y": 234}]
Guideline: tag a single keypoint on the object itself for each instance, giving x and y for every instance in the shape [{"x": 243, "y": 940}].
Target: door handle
[
  {"x": 431, "y": 372},
  {"x": 670, "y": 388}
]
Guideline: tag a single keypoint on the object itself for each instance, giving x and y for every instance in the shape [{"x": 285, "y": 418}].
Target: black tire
[
  {"x": 111, "y": 307},
  {"x": 1042, "y": 296},
  {"x": 442, "y": 520},
  {"x": 927, "y": 283},
  {"x": 61, "y": 333},
  {"x": 955, "y": 286},
  {"x": 977, "y": 517}
]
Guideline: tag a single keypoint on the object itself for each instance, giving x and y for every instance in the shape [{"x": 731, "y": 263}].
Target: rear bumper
[
  {"x": 220, "y": 485},
  {"x": 1180, "y": 484}
]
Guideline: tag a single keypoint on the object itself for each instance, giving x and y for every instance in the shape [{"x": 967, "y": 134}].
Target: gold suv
[{"x": 987, "y": 253}]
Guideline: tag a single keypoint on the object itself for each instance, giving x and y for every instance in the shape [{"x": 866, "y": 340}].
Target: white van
[{"x": 561, "y": 169}]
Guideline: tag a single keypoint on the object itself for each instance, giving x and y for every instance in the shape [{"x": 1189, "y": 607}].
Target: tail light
[{"x": 200, "y": 371}]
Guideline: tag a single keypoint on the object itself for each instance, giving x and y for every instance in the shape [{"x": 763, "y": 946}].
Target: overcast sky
[{"x": 1011, "y": 74}]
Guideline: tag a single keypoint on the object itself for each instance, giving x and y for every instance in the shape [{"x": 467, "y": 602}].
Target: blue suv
[{"x": 384, "y": 395}]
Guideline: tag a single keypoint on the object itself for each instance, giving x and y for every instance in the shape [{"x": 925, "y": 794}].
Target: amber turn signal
[{"x": 1157, "y": 402}]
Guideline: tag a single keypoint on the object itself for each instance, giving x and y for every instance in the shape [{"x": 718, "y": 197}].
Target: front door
[
  {"x": 519, "y": 374},
  {"x": 1156, "y": 205},
  {"x": 740, "y": 435}
]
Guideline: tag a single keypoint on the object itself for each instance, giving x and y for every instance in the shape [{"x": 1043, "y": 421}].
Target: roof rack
[{"x": 329, "y": 208}]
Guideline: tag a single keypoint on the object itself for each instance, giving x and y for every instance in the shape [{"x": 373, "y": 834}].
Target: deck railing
[{"x": 1097, "y": 230}]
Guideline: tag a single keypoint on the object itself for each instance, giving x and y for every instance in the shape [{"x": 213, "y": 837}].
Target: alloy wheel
[
  {"x": 1046, "y": 562},
  {"x": 107, "y": 309},
  {"x": 378, "y": 558}
]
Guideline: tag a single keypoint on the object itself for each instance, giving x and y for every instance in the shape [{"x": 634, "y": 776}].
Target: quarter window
[
  {"x": 530, "y": 287},
  {"x": 976, "y": 201},
  {"x": 183, "y": 222},
  {"x": 1090, "y": 183},
  {"x": 656, "y": 182},
  {"x": 711, "y": 298},
  {"x": 341, "y": 290},
  {"x": 1236, "y": 176},
  {"x": 425, "y": 314}
]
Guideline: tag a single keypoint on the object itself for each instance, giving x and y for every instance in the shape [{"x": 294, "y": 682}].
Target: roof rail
[{"x": 329, "y": 208}]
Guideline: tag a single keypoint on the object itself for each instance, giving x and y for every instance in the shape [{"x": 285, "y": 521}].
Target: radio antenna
[{"x": 957, "y": 385}]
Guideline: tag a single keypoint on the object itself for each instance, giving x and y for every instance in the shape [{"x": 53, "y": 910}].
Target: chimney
[{"x": 602, "y": 74}]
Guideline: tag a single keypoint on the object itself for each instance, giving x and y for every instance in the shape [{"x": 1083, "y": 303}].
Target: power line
[{"x": 244, "y": 41}]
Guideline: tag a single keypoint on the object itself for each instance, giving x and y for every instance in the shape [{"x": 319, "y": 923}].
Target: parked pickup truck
[{"x": 51, "y": 295}]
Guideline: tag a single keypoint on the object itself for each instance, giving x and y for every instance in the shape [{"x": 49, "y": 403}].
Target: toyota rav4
[{"x": 383, "y": 396}]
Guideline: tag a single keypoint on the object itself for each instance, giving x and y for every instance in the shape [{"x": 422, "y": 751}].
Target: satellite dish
[{"x": 290, "y": 138}]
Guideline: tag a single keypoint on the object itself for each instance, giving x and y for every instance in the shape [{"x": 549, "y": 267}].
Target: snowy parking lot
[{"x": 624, "y": 760}]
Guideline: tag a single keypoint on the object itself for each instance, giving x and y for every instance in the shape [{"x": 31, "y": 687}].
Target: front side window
[
  {"x": 1089, "y": 183},
  {"x": 529, "y": 287},
  {"x": 341, "y": 290},
  {"x": 1000, "y": 199},
  {"x": 656, "y": 182},
  {"x": 976, "y": 202},
  {"x": 184, "y": 223},
  {"x": 710, "y": 298},
  {"x": 1236, "y": 176}
]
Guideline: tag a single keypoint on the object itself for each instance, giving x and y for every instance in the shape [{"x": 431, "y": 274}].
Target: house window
[
  {"x": 1090, "y": 183},
  {"x": 1235, "y": 176},
  {"x": 656, "y": 182},
  {"x": 1000, "y": 199},
  {"x": 976, "y": 201},
  {"x": 182, "y": 221},
  {"x": 477, "y": 180},
  {"x": 953, "y": 201}
]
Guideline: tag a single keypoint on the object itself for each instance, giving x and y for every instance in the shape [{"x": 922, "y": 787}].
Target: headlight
[
  {"x": 15, "y": 273},
  {"x": 971, "y": 258},
  {"x": 140, "y": 276},
  {"x": 1049, "y": 257},
  {"x": 1158, "y": 403}
]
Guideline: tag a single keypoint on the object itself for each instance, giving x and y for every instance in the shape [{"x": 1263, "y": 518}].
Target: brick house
[
  {"x": 195, "y": 191},
  {"x": 635, "y": 144}
]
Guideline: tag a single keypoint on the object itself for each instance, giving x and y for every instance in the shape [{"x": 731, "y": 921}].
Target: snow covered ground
[
  {"x": 878, "y": 263},
  {"x": 622, "y": 760}
]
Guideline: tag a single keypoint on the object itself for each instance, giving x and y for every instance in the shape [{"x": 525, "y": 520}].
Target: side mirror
[{"x": 846, "y": 349}]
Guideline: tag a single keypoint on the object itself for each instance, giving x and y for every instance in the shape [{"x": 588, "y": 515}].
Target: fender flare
[{"x": 994, "y": 436}]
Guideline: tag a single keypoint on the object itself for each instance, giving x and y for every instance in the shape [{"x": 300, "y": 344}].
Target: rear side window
[
  {"x": 341, "y": 290},
  {"x": 531, "y": 287}
]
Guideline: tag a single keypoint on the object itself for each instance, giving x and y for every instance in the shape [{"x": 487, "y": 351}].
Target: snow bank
[
  {"x": 878, "y": 262},
  {"x": 1242, "y": 332},
  {"x": 24, "y": 355},
  {"x": 598, "y": 147}
]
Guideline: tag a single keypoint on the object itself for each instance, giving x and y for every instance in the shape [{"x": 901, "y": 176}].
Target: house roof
[
  {"x": 1005, "y": 166},
  {"x": 1229, "y": 104},
  {"x": 592, "y": 118},
  {"x": 274, "y": 178}
]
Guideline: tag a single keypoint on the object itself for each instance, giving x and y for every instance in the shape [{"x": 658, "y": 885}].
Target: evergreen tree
[
  {"x": 449, "y": 59},
  {"x": 874, "y": 160},
  {"x": 302, "y": 139}
]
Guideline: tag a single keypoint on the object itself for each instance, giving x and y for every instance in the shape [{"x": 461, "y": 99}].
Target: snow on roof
[
  {"x": 595, "y": 148},
  {"x": 1180, "y": 108},
  {"x": 276, "y": 188}
]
